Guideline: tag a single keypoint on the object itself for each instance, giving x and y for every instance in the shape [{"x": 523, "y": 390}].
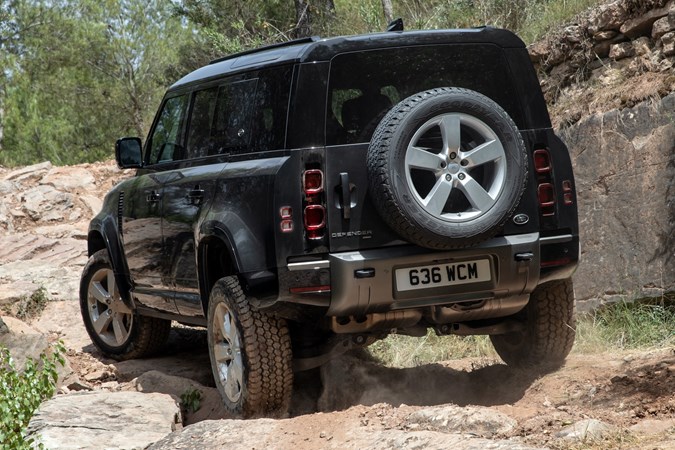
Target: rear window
[{"x": 365, "y": 85}]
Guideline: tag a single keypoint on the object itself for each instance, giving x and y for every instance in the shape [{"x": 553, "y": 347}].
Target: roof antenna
[{"x": 395, "y": 25}]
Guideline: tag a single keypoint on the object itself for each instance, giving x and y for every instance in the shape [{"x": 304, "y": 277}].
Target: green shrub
[
  {"x": 22, "y": 392},
  {"x": 191, "y": 399}
]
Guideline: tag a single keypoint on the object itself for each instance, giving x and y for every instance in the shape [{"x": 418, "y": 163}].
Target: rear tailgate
[{"x": 353, "y": 222}]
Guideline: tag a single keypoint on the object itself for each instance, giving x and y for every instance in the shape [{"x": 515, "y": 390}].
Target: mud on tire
[
  {"x": 250, "y": 354},
  {"x": 549, "y": 320},
  {"x": 117, "y": 331},
  {"x": 446, "y": 168}
]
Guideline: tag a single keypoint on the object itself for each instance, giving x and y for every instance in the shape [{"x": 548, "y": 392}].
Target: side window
[
  {"x": 165, "y": 143},
  {"x": 200, "y": 141},
  {"x": 242, "y": 116},
  {"x": 269, "y": 120},
  {"x": 221, "y": 119}
]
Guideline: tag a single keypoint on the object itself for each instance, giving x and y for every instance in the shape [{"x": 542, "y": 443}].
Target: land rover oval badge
[{"x": 521, "y": 219}]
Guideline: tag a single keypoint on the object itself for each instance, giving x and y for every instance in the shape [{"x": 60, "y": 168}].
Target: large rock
[
  {"x": 28, "y": 171},
  {"x": 266, "y": 433},
  {"x": 478, "y": 421},
  {"x": 664, "y": 25},
  {"x": 210, "y": 406},
  {"x": 69, "y": 178},
  {"x": 642, "y": 25},
  {"x": 103, "y": 420},
  {"x": 22, "y": 340},
  {"x": 624, "y": 163}
]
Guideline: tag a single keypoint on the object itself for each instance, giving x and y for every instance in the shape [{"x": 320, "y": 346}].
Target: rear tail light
[
  {"x": 312, "y": 182},
  {"x": 314, "y": 212},
  {"x": 542, "y": 161},
  {"x": 546, "y": 195}
]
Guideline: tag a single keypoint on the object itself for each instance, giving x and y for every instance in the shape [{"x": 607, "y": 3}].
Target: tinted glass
[
  {"x": 365, "y": 85},
  {"x": 166, "y": 140},
  {"x": 241, "y": 116}
]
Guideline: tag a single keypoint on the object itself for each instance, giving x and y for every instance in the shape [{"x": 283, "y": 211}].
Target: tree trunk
[
  {"x": 302, "y": 25},
  {"x": 310, "y": 15},
  {"x": 388, "y": 11}
]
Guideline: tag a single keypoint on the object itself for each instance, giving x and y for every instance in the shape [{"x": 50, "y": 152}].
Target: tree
[{"x": 91, "y": 72}]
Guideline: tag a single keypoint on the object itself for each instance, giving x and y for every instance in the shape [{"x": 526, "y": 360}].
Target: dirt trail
[{"x": 632, "y": 393}]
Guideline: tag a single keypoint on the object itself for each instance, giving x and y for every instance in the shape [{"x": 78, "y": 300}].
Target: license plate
[{"x": 439, "y": 275}]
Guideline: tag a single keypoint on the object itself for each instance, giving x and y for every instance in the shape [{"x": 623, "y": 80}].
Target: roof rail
[{"x": 305, "y": 40}]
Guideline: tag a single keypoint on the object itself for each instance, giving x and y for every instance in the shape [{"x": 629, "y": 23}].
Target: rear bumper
[
  {"x": 364, "y": 282},
  {"x": 513, "y": 260}
]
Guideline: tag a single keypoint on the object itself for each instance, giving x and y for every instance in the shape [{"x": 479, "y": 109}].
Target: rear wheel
[
  {"x": 549, "y": 329},
  {"x": 116, "y": 330},
  {"x": 250, "y": 354}
]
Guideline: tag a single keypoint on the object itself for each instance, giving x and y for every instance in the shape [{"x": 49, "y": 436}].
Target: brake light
[
  {"x": 312, "y": 182},
  {"x": 542, "y": 161},
  {"x": 314, "y": 211},
  {"x": 546, "y": 195}
]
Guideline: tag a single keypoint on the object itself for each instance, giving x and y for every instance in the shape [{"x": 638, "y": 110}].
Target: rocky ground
[{"x": 596, "y": 401}]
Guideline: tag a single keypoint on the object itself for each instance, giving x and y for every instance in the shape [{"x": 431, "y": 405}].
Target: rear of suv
[{"x": 311, "y": 197}]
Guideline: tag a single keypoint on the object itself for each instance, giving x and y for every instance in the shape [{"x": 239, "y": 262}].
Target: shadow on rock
[{"x": 349, "y": 381}]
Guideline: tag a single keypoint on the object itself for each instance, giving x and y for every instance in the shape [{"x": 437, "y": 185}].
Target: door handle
[
  {"x": 153, "y": 197},
  {"x": 196, "y": 195},
  {"x": 346, "y": 196}
]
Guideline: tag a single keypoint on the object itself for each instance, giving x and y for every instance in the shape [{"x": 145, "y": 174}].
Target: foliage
[
  {"x": 628, "y": 325},
  {"x": 30, "y": 306},
  {"x": 405, "y": 351},
  {"x": 21, "y": 393},
  {"x": 191, "y": 399},
  {"x": 623, "y": 325},
  {"x": 86, "y": 74},
  {"x": 78, "y": 74}
]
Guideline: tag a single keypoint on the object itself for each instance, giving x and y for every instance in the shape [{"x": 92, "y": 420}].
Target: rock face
[
  {"x": 624, "y": 164},
  {"x": 102, "y": 420},
  {"x": 600, "y": 38},
  {"x": 44, "y": 214}
]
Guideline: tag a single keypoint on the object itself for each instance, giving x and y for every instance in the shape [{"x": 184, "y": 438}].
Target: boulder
[
  {"x": 642, "y": 25},
  {"x": 104, "y": 420},
  {"x": 621, "y": 51},
  {"x": 28, "y": 171},
  {"x": 46, "y": 203},
  {"x": 663, "y": 25},
  {"x": 668, "y": 40},
  {"x": 210, "y": 406},
  {"x": 587, "y": 430},
  {"x": 64, "y": 319},
  {"x": 69, "y": 178},
  {"x": 484, "y": 422},
  {"x": 22, "y": 340},
  {"x": 607, "y": 17}
]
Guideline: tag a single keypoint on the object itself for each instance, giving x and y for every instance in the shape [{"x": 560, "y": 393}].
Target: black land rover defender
[{"x": 307, "y": 198}]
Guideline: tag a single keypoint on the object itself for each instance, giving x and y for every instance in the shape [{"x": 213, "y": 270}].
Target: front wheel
[
  {"x": 116, "y": 330},
  {"x": 250, "y": 354},
  {"x": 549, "y": 329}
]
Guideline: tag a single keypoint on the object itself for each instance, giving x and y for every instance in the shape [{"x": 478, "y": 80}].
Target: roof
[{"x": 316, "y": 50}]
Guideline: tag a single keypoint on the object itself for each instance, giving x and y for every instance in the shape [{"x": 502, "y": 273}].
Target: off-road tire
[
  {"x": 549, "y": 321},
  {"x": 147, "y": 335},
  {"x": 265, "y": 350},
  {"x": 392, "y": 195}
]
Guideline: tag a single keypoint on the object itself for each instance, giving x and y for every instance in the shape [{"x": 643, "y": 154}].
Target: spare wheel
[{"x": 447, "y": 168}]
